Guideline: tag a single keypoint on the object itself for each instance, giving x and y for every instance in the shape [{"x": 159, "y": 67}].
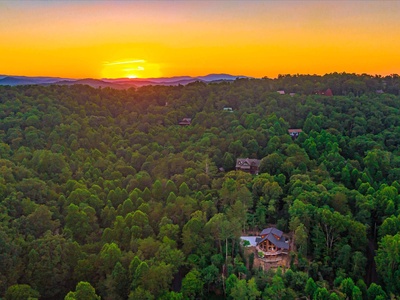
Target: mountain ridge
[{"x": 117, "y": 83}]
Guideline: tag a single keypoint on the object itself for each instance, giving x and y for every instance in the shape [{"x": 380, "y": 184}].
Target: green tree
[
  {"x": 157, "y": 190},
  {"x": 140, "y": 293},
  {"x": 40, "y": 221},
  {"x": 321, "y": 294},
  {"x": 77, "y": 222},
  {"x": 110, "y": 254},
  {"x": 192, "y": 234},
  {"x": 347, "y": 286},
  {"x": 271, "y": 163},
  {"x": 21, "y": 292},
  {"x": 356, "y": 294},
  {"x": 276, "y": 290},
  {"x": 359, "y": 262},
  {"x": 310, "y": 288},
  {"x": 301, "y": 238},
  {"x": 140, "y": 272},
  {"x": 157, "y": 279},
  {"x": 210, "y": 275},
  {"x": 184, "y": 190},
  {"x": 375, "y": 291},
  {"x": 49, "y": 253},
  {"x": 388, "y": 262},
  {"x": 83, "y": 291},
  {"x": 230, "y": 283},
  {"x": 252, "y": 290},
  {"x": 120, "y": 280},
  {"x": 239, "y": 290},
  {"x": 192, "y": 285}
]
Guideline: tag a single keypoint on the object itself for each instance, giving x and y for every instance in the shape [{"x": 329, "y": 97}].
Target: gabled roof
[
  {"x": 295, "y": 130},
  {"x": 272, "y": 230},
  {"x": 185, "y": 121},
  {"x": 247, "y": 162},
  {"x": 278, "y": 243}
]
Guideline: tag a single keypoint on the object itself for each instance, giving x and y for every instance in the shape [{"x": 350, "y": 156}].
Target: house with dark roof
[
  {"x": 272, "y": 242},
  {"x": 271, "y": 230},
  {"x": 185, "y": 122},
  {"x": 248, "y": 165}
]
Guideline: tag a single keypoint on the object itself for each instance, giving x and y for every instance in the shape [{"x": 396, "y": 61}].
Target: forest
[{"x": 104, "y": 195}]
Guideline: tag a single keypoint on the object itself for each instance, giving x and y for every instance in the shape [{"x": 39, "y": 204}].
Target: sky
[{"x": 143, "y": 39}]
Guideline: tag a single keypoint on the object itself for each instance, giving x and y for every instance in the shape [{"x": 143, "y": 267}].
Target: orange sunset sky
[{"x": 109, "y": 39}]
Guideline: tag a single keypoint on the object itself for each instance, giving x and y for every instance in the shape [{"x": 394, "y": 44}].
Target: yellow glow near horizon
[
  {"x": 161, "y": 38},
  {"x": 124, "y": 68},
  {"x": 131, "y": 68}
]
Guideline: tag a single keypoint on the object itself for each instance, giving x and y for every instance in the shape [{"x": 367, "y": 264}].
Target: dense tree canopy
[{"x": 103, "y": 194}]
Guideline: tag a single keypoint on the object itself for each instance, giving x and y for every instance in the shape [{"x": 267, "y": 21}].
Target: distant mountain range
[{"x": 118, "y": 83}]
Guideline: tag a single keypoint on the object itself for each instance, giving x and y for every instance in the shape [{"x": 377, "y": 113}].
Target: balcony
[{"x": 272, "y": 253}]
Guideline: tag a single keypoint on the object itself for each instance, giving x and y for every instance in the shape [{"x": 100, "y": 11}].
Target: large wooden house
[
  {"x": 248, "y": 165},
  {"x": 272, "y": 243}
]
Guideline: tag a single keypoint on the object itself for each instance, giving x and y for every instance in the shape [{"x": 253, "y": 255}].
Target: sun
[{"x": 130, "y": 68}]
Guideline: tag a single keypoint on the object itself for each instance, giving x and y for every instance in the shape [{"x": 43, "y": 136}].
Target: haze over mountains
[{"x": 118, "y": 83}]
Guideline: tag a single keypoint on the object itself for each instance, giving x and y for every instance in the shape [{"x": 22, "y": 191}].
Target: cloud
[
  {"x": 134, "y": 69},
  {"x": 125, "y": 62}
]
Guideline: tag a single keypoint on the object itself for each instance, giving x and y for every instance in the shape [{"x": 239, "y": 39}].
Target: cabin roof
[
  {"x": 185, "y": 121},
  {"x": 272, "y": 230},
  {"x": 244, "y": 163},
  {"x": 294, "y": 130},
  {"x": 278, "y": 243}
]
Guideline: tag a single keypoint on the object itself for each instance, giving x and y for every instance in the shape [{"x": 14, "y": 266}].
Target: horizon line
[{"x": 196, "y": 76}]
